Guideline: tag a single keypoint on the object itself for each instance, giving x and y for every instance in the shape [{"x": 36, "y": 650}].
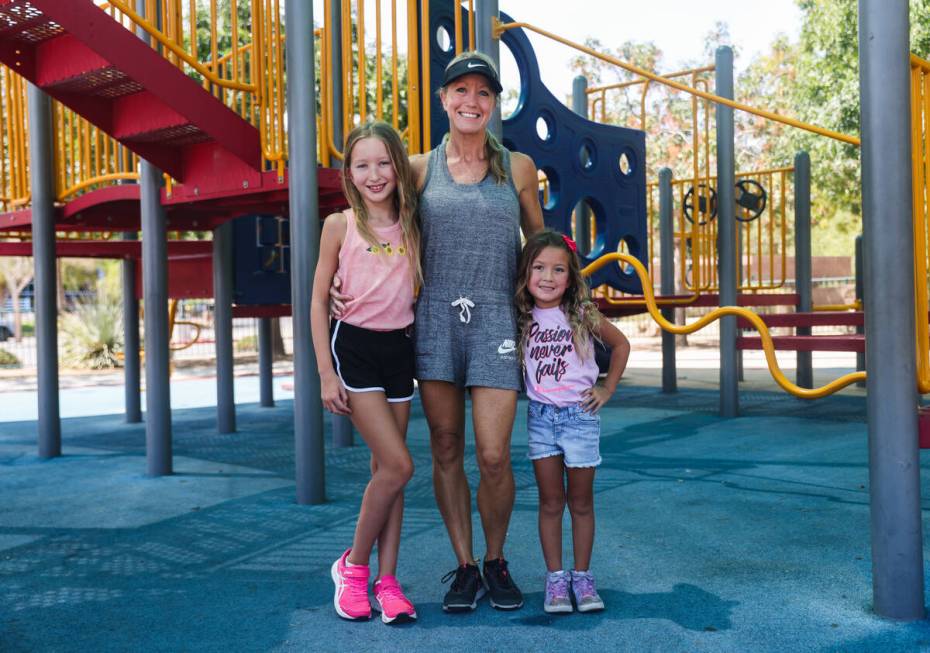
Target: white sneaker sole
[
  {"x": 591, "y": 607},
  {"x": 558, "y": 609}
]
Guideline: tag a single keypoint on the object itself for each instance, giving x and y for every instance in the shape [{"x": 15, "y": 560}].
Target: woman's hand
[
  {"x": 335, "y": 398},
  {"x": 594, "y": 398},
  {"x": 337, "y": 301}
]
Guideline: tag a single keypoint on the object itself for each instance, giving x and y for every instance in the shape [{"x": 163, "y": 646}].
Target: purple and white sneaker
[
  {"x": 557, "y": 598},
  {"x": 586, "y": 597}
]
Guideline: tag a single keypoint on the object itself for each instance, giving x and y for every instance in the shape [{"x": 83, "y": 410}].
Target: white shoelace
[{"x": 465, "y": 305}]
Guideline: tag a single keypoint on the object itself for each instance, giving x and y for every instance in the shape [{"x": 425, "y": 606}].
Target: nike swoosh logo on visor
[{"x": 473, "y": 64}]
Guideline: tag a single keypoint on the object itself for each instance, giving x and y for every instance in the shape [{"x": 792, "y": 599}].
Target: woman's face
[{"x": 468, "y": 101}]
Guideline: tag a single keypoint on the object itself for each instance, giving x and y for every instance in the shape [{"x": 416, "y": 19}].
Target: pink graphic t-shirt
[{"x": 555, "y": 373}]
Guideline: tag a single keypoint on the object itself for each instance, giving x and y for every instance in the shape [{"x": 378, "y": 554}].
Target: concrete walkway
[{"x": 750, "y": 534}]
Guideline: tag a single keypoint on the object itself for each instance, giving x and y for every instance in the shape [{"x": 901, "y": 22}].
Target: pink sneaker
[
  {"x": 351, "y": 598},
  {"x": 394, "y": 605}
]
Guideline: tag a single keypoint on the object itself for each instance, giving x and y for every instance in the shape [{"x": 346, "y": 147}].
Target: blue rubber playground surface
[{"x": 749, "y": 534}]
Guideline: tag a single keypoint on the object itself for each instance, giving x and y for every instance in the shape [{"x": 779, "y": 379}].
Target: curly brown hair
[{"x": 581, "y": 311}]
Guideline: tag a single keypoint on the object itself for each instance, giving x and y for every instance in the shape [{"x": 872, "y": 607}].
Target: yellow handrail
[
  {"x": 499, "y": 28},
  {"x": 756, "y": 321}
]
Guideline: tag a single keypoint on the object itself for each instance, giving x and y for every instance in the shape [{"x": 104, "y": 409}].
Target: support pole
[
  {"x": 667, "y": 282},
  {"x": 582, "y": 212},
  {"x": 41, "y": 174},
  {"x": 803, "y": 275},
  {"x": 265, "y": 363},
  {"x": 305, "y": 237},
  {"x": 894, "y": 464},
  {"x": 486, "y": 43},
  {"x": 223, "y": 328},
  {"x": 726, "y": 234},
  {"x": 155, "y": 296},
  {"x": 132, "y": 388}
]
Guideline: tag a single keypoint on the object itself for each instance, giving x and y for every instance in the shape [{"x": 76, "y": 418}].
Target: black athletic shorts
[{"x": 373, "y": 361}]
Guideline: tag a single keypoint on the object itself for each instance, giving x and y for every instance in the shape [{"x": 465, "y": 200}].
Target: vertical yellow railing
[
  {"x": 14, "y": 156},
  {"x": 920, "y": 154}
]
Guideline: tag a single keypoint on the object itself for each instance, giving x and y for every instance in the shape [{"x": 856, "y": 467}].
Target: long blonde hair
[
  {"x": 405, "y": 195},
  {"x": 582, "y": 314},
  {"x": 493, "y": 150}
]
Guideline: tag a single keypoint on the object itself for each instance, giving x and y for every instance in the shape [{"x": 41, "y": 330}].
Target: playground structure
[{"x": 213, "y": 144}]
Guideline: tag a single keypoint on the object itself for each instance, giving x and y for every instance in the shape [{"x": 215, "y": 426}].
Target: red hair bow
[{"x": 570, "y": 243}]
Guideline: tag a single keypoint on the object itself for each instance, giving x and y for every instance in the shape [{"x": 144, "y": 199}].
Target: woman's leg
[
  {"x": 444, "y": 406},
  {"x": 550, "y": 479},
  {"x": 389, "y": 537},
  {"x": 493, "y": 412},
  {"x": 581, "y": 506},
  {"x": 375, "y": 421}
]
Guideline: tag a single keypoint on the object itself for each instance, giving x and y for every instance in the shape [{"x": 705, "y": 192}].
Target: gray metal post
[
  {"x": 41, "y": 175},
  {"x": 803, "y": 275},
  {"x": 484, "y": 42},
  {"x": 155, "y": 296},
  {"x": 155, "y": 300},
  {"x": 726, "y": 233},
  {"x": 265, "y": 363},
  {"x": 132, "y": 389},
  {"x": 667, "y": 281},
  {"x": 860, "y": 356},
  {"x": 223, "y": 328},
  {"x": 582, "y": 212},
  {"x": 305, "y": 236},
  {"x": 894, "y": 464}
]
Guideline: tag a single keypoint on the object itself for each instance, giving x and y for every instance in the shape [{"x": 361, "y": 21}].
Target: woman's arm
[
  {"x": 418, "y": 164},
  {"x": 619, "y": 355},
  {"x": 526, "y": 181},
  {"x": 335, "y": 398}
]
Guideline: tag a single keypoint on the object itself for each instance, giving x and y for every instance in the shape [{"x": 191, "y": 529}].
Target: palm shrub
[
  {"x": 8, "y": 360},
  {"x": 92, "y": 335}
]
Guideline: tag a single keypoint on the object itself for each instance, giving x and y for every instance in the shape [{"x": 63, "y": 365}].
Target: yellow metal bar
[
  {"x": 413, "y": 81},
  {"x": 362, "y": 72},
  {"x": 395, "y": 90},
  {"x": 498, "y": 28},
  {"x": 618, "y": 85},
  {"x": 348, "y": 121},
  {"x": 471, "y": 25},
  {"x": 426, "y": 137},
  {"x": 459, "y": 32},
  {"x": 379, "y": 91},
  {"x": 757, "y": 323}
]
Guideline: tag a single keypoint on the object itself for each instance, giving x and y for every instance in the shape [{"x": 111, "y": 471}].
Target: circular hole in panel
[
  {"x": 627, "y": 163},
  {"x": 444, "y": 39},
  {"x": 511, "y": 98},
  {"x": 548, "y": 188},
  {"x": 544, "y": 128},
  {"x": 627, "y": 245},
  {"x": 589, "y": 227},
  {"x": 587, "y": 155}
]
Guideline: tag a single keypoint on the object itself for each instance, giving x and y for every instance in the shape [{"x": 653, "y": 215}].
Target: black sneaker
[
  {"x": 504, "y": 593},
  {"x": 467, "y": 588}
]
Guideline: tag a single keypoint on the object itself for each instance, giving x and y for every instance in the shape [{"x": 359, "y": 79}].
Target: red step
[
  {"x": 810, "y": 319},
  {"x": 86, "y": 60},
  {"x": 852, "y": 342}
]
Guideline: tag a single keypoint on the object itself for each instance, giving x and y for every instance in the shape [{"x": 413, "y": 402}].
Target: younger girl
[
  {"x": 365, "y": 358},
  {"x": 558, "y": 324}
]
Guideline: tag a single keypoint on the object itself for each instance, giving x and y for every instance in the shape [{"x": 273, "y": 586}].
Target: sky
[{"x": 677, "y": 27}]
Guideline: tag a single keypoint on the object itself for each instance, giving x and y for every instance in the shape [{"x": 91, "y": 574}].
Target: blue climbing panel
[
  {"x": 603, "y": 165},
  {"x": 261, "y": 260}
]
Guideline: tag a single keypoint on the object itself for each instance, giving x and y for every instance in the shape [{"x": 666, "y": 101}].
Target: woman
[{"x": 475, "y": 196}]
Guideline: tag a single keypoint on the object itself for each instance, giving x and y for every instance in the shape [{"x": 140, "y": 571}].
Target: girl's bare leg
[
  {"x": 389, "y": 537},
  {"x": 550, "y": 481},
  {"x": 581, "y": 506}
]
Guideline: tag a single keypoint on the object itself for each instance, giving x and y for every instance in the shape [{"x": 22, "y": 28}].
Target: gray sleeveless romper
[{"x": 465, "y": 328}]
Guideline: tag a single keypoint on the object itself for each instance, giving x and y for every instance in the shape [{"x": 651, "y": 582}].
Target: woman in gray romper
[{"x": 475, "y": 196}]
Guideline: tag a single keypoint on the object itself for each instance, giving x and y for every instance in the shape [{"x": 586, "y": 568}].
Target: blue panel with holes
[
  {"x": 600, "y": 164},
  {"x": 261, "y": 260}
]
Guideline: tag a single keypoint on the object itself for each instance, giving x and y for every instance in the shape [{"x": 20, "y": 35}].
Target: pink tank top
[
  {"x": 379, "y": 279},
  {"x": 555, "y": 373}
]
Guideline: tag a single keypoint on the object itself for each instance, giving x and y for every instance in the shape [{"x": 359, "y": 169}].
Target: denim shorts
[{"x": 569, "y": 431}]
